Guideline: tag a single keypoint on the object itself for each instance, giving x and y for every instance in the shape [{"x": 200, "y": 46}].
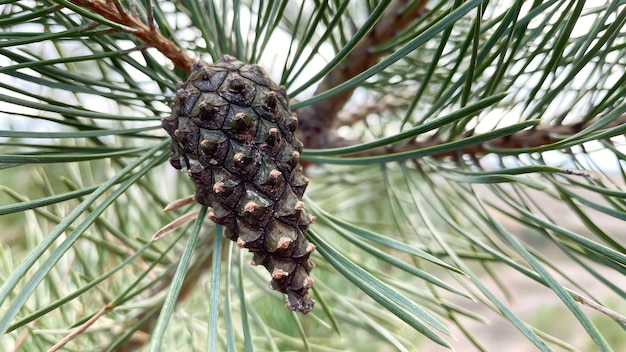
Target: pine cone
[{"x": 233, "y": 132}]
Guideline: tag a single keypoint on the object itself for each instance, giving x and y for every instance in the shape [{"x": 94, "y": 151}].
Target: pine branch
[
  {"x": 316, "y": 120},
  {"x": 113, "y": 11},
  {"x": 538, "y": 136},
  {"x": 380, "y": 105},
  {"x": 535, "y": 137}
]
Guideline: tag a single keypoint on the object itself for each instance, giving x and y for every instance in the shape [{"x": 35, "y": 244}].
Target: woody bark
[{"x": 316, "y": 121}]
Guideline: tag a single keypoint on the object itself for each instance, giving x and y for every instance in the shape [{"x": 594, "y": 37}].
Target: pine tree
[{"x": 448, "y": 150}]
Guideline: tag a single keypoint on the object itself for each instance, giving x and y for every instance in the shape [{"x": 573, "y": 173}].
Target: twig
[
  {"x": 80, "y": 329},
  {"x": 538, "y": 136},
  {"x": 385, "y": 104},
  {"x": 179, "y": 203},
  {"x": 120, "y": 9},
  {"x": 150, "y": 15},
  {"x": 600, "y": 308},
  {"x": 113, "y": 11},
  {"x": 176, "y": 223},
  {"x": 316, "y": 120}
]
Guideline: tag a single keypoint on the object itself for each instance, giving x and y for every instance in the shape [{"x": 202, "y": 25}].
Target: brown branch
[
  {"x": 79, "y": 330},
  {"x": 112, "y": 11},
  {"x": 537, "y": 136},
  {"x": 175, "y": 224},
  {"x": 378, "y": 105},
  {"x": 316, "y": 120}
]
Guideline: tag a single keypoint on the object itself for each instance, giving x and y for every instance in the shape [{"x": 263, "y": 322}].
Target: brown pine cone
[{"x": 233, "y": 132}]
